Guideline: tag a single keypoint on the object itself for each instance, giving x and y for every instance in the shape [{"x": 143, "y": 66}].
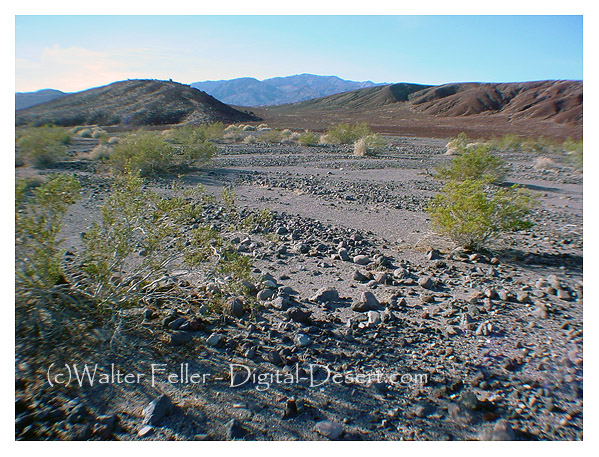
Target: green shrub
[
  {"x": 370, "y": 145},
  {"x": 85, "y": 133},
  {"x": 348, "y": 134},
  {"x": 146, "y": 153},
  {"x": 39, "y": 211},
  {"x": 474, "y": 163},
  {"x": 193, "y": 145},
  {"x": 139, "y": 237},
  {"x": 275, "y": 135},
  {"x": 574, "y": 151},
  {"x": 309, "y": 139},
  {"x": 43, "y": 146},
  {"x": 472, "y": 212}
]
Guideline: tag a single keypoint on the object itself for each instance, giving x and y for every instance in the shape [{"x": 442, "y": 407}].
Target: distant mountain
[
  {"x": 277, "y": 91},
  {"x": 27, "y": 99},
  {"x": 133, "y": 102}
]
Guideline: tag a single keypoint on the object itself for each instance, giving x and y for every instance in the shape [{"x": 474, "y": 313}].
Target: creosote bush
[
  {"x": 346, "y": 133},
  {"x": 472, "y": 212},
  {"x": 309, "y": 139},
  {"x": 474, "y": 163},
  {"x": 43, "y": 146},
  {"x": 39, "y": 210}
]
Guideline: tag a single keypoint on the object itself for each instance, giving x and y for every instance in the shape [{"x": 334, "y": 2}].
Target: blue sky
[{"x": 74, "y": 53}]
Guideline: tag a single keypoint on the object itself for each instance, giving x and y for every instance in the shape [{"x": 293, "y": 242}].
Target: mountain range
[{"x": 278, "y": 91}]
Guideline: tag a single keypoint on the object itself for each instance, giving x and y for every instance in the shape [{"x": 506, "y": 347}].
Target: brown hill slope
[
  {"x": 558, "y": 101},
  {"x": 133, "y": 102},
  {"x": 541, "y": 108}
]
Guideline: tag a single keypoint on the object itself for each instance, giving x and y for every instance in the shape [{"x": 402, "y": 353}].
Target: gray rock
[
  {"x": 344, "y": 255},
  {"x": 326, "y": 295},
  {"x": 234, "y": 430},
  {"x": 280, "y": 303},
  {"x": 301, "y": 340},
  {"x": 433, "y": 254},
  {"x": 426, "y": 282},
  {"x": 374, "y": 318},
  {"x": 563, "y": 294},
  {"x": 235, "y": 307},
  {"x": 503, "y": 431},
  {"x": 329, "y": 429},
  {"x": 360, "y": 277},
  {"x": 179, "y": 338},
  {"x": 213, "y": 340},
  {"x": 273, "y": 357},
  {"x": 265, "y": 294},
  {"x": 362, "y": 260},
  {"x": 299, "y": 315},
  {"x": 368, "y": 302},
  {"x": 400, "y": 273},
  {"x": 157, "y": 410}
]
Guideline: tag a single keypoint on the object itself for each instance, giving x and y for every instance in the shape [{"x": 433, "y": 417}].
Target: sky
[{"x": 73, "y": 53}]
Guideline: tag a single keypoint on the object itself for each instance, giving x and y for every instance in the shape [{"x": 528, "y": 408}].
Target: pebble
[
  {"x": 157, "y": 410},
  {"x": 362, "y": 260},
  {"x": 329, "y": 429},
  {"x": 180, "y": 337},
  {"x": 213, "y": 339}
]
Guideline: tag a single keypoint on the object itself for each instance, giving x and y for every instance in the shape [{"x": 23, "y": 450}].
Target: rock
[
  {"x": 426, "y": 282},
  {"x": 265, "y": 294},
  {"x": 180, "y": 337},
  {"x": 373, "y": 318},
  {"x": 273, "y": 357},
  {"x": 523, "y": 297},
  {"x": 235, "y": 307},
  {"x": 145, "y": 430},
  {"x": 213, "y": 339},
  {"x": 149, "y": 314},
  {"x": 502, "y": 431},
  {"x": 459, "y": 413},
  {"x": 368, "y": 302},
  {"x": 290, "y": 409},
  {"x": 299, "y": 315},
  {"x": 329, "y": 429},
  {"x": 280, "y": 303},
  {"x": 563, "y": 294},
  {"x": 554, "y": 281},
  {"x": 470, "y": 400},
  {"x": 157, "y": 410},
  {"x": 105, "y": 426},
  {"x": 326, "y": 295},
  {"x": 362, "y": 260},
  {"x": 301, "y": 340},
  {"x": 433, "y": 254},
  {"x": 175, "y": 324},
  {"x": 344, "y": 255},
  {"x": 234, "y": 430},
  {"x": 400, "y": 273},
  {"x": 360, "y": 277}
]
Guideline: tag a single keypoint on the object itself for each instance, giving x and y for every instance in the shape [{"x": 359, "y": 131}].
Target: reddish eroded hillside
[{"x": 558, "y": 101}]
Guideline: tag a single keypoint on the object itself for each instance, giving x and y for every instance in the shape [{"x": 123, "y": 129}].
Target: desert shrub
[
  {"x": 39, "y": 211},
  {"x": 234, "y": 133},
  {"x": 458, "y": 144},
  {"x": 544, "y": 163},
  {"x": 474, "y": 163},
  {"x": 101, "y": 153},
  {"x": 472, "y": 212},
  {"x": 508, "y": 142},
  {"x": 250, "y": 139},
  {"x": 275, "y": 135},
  {"x": 112, "y": 140},
  {"x": 85, "y": 133},
  {"x": 249, "y": 128},
  {"x": 193, "y": 145},
  {"x": 574, "y": 151},
  {"x": 146, "y": 153},
  {"x": 348, "y": 134},
  {"x": 263, "y": 127},
  {"x": 309, "y": 139},
  {"x": 370, "y": 145},
  {"x": 98, "y": 133},
  {"x": 43, "y": 146},
  {"x": 139, "y": 236}
]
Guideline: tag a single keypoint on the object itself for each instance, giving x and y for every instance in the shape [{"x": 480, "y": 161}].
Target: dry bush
[
  {"x": 544, "y": 163},
  {"x": 370, "y": 145}
]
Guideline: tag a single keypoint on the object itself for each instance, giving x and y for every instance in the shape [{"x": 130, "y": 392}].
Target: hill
[
  {"x": 26, "y": 99},
  {"x": 133, "y": 102},
  {"x": 279, "y": 90},
  {"x": 539, "y": 108}
]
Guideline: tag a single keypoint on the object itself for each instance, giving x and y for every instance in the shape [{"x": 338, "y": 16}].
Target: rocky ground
[{"x": 370, "y": 326}]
